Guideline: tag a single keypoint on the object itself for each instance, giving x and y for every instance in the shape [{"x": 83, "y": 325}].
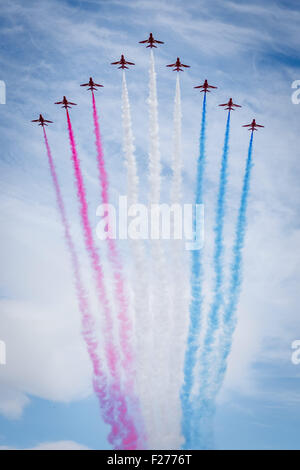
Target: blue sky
[{"x": 250, "y": 50}]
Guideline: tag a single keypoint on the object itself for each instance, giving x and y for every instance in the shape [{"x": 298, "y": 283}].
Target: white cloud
[{"x": 46, "y": 356}]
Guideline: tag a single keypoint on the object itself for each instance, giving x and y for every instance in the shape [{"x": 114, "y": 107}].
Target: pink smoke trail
[
  {"x": 126, "y": 327},
  {"x": 129, "y": 438},
  {"x": 125, "y": 323},
  {"x": 88, "y": 327}
]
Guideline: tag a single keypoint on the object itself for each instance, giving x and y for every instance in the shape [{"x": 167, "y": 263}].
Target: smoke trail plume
[
  {"x": 195, "y": 321},
  {"x": 176, "y": 189},
  {"x": 159, "y": 293},
  {"x": 208, "y": 404},
  {"x": 178, "y": 277},
  {"x": 207, "y": 356},
  {"x": 125, "y": 324},
  {"x": 230, "y": 318},
  {"x": 130, "y": 435},
  {"x": 154, "y": 151},
  {"x": 100, "y": 384},
  {"x": 140, "y": 279}
]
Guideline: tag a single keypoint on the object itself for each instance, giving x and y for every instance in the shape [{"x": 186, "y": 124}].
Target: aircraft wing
[
  {"x": 258, "y": 125},
  {"x": 210, "y": 86},
  {"x": 85, "y": 84},
  {"x": 143, "y": 42},
  {"x": 225, "y": 104},
  {"x": 35, "y": 120},
  {"x": 158, "y": 42},
  {"x": 59, "y": 102},
  {"x": 236, "y": 105},
  {"x": 187, "y": 66},
  {"x": 200, "y": 86},
  {"x": 130, "y": 63},
  {"x": 115, "y": 63},
  {"x": 73, "y": 104},
  {"x": 45, "y": 120},
  {"x": 171, "y": 65},
  {"x": 97, "y": 84}
]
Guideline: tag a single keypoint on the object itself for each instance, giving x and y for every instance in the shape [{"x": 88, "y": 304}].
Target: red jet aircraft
[
  {"x": 92, "y": 85},
  {"x": 122, "y": 63},
  {"x": 151, "y": 41},
  {"x": 65, "y": 103},
  {"x": 205, "y": 87},
  {"x": 230, "y": 105},
  {"x": 177, "y": 65},
  {"x": 41, "y": 120},
  {"x": 252, "y": 126}
]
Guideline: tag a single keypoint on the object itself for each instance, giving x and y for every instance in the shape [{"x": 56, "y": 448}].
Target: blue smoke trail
[
  {"x": 230, "y": 318},
  {"x": 206, "y": 410},
  {"x": 214, "y": 315},
  {"x": 196, "y": 302},
  {"x": 213, "y": 321}
]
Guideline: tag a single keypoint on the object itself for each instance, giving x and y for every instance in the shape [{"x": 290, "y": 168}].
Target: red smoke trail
[
  {"x": 87, "y": 321},
  {"x": 129, "y": 433},
  {"x": 125, "y": 323}
]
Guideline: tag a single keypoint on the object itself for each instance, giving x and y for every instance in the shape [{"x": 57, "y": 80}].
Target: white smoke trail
[
  {"x": 178, "y": 277},
  {"x": 142, "y": 321},
  {"x": 159, "y": 293},
  {"x": 154, "y": 151},
  {"x": 176, "y": 188}
]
